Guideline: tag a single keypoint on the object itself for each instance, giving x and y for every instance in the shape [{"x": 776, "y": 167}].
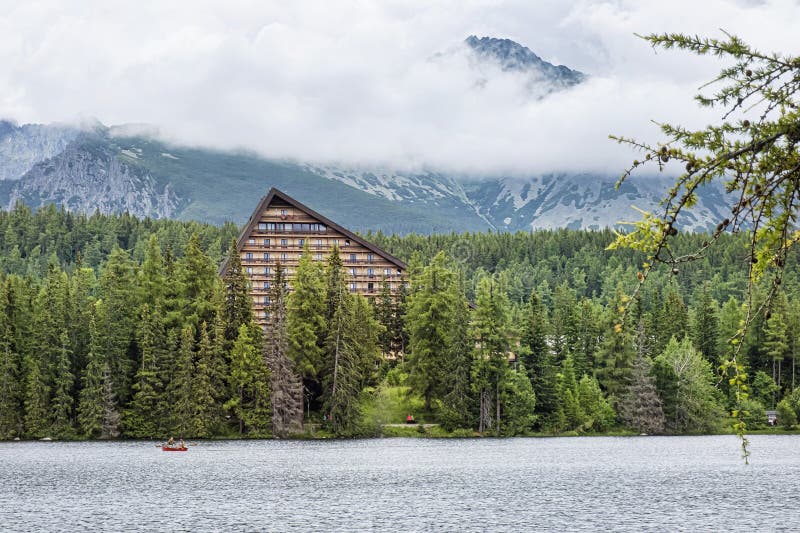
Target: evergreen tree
[
  {"x": 153, "y": 275},
  {"x": 519, "y": 403},
  {"x": 640, "y": 407},
  {"x": 598, "y": 413},
  {"x": 685, "y": 383},
  {"x": 569, "y": 414},
  {"x": 563, "y": 325},
  {"x": 10, "y": 370},
  {"x": 306, "y": 310},
  {"x": 61, "y": 404},
  {"x": 116, "y": 324},
  {"x": 92, "y": 395},
  {"x": 180, "y": 390},
  {"x": 197, "y": 279},
  {"x": 205, "y": 413},
  {"x": 615, "y": 353},
  {"x": 672, "y": 319},
  {"x": 704, "y": 324},
  {"x": 430, "y": 319},
  {"x": 36, "y": 396},
  {"x": 237, "y": 308},
  {"x": 776, "y": 342},
  {"x": 285, "y": 385},
  {"x": 249, "y": 382},
  {"x": 142, "y": 418},
  {"x": 535, "y": 354},
  {"x": 490, "y": 330},
  {"x": 111, "y": 416}
]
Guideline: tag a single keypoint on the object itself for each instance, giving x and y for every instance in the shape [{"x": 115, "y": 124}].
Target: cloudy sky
[{"x": 353, "y": 82}]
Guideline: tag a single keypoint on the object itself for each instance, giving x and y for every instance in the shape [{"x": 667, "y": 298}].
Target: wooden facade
[{"x": 278, "y": 231}]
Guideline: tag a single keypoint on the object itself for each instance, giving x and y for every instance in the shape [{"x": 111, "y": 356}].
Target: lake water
[{"x": 620, "y": 483}]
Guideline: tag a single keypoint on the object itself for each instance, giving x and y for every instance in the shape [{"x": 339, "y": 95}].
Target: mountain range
[{"x": 111, "y": 169}]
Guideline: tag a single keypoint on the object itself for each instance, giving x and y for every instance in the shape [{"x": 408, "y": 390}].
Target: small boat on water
[{"x": 173, "y": 449}]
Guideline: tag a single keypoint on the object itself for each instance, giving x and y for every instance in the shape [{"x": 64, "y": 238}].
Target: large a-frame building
[{"x": 279, "y": 229}]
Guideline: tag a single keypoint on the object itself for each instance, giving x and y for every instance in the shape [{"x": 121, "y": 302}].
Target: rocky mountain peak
[{"x": 512, "y": 56}]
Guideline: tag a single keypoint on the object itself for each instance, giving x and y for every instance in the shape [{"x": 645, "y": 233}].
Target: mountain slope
[{"x": 93, "y": 167}]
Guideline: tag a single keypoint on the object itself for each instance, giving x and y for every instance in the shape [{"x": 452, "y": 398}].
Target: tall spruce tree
[
  {"x": 249, "y": 382},
  {"x": 286, "y": 387},
  {"x": 306, "y": 310},
  {"x": 432, "y": 309},
  {"x": 10, "y": 370},
  {"x": 237, "y": 308},
  {"x": 197, "y": 278},
  {"x": 116, "y": 324},
  {"x": 180, "y": 390},
  {"x": 91, "y": 399},
  {"x": 640, "y": 407},
  {"x": 62, "y": 402},
  {"x": 490, "y": 329},
  {"x": 704, "y": 323},
  {"x": 205, "y": 409},
  {"x": 143, "y": 417}
]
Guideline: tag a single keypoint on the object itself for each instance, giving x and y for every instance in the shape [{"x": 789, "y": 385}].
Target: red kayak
[{"x": 169, "y": 449}]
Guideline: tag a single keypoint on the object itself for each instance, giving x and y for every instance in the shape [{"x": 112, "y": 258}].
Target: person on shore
[{"x": 410, "y": 419}]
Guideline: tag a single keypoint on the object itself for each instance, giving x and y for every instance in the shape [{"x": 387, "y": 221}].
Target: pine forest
[{"x": 118, "y": 327}]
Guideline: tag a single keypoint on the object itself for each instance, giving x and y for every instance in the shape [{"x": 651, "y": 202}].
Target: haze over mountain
[{"x": 128, "y": 168}]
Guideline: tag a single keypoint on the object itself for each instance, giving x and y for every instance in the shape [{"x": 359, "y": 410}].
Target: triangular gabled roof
[{"x": 275, "y": 193}]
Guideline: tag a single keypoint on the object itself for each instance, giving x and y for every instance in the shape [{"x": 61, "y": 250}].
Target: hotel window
[
  {"x": 266, "y": 300},
  {"x": 352, "y": 258},
  {"x": 249, "y": 270},
  {"x": 266, "y": 284},
  {"x": 319, "y": 243},
  {"x": 270, "y": 226},
  {"x": 283, "y": 257},
  {"x": 248, "y": 256},
  {"x": 353, "y": 287},
  {"x": 262, "y": 226},
  {"x": 266, "y": 271},
  {"x": 370, "y": 287},
  {"x": 284, "y": 212},
  {"x": 301, "y": 243},
  {"x": 371, "y": 272},
  {"x": 347, "y": 242},
  {"x": 387, "y": 272},
  {"x": 266, "y": 256},
  {"x": 370, "y": 257},
  {"x": 251, "y": 241},
  {"x": 284, "y": 243},
  {"x": 266, "y": 243},
  {"x": 335, "y": 242},
  {"x": 353, "y": 272}
]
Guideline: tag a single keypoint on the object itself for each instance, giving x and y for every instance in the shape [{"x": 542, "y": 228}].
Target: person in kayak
[{"x": 171, "y": 442}]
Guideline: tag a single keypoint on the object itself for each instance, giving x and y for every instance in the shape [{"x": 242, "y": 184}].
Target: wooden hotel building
[{"x": 278, "y": 231}]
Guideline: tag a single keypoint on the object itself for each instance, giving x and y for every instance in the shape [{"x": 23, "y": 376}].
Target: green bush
[{"x": 786, "y": 415}]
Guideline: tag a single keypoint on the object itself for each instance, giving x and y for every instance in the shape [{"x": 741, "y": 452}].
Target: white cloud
[{"x": 353, "y": 82}]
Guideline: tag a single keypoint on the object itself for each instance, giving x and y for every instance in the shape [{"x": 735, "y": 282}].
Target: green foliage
[
  {"x": 306, "y": 308},
  {"x": 249, "y": 383},
  {"x": 117, "y": 326},
  {"x": 787, "y": 417},
  {"x": 685, "y": 384}
]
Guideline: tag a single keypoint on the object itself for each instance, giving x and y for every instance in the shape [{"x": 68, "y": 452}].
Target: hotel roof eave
[{"x": 266, "y": 200}]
